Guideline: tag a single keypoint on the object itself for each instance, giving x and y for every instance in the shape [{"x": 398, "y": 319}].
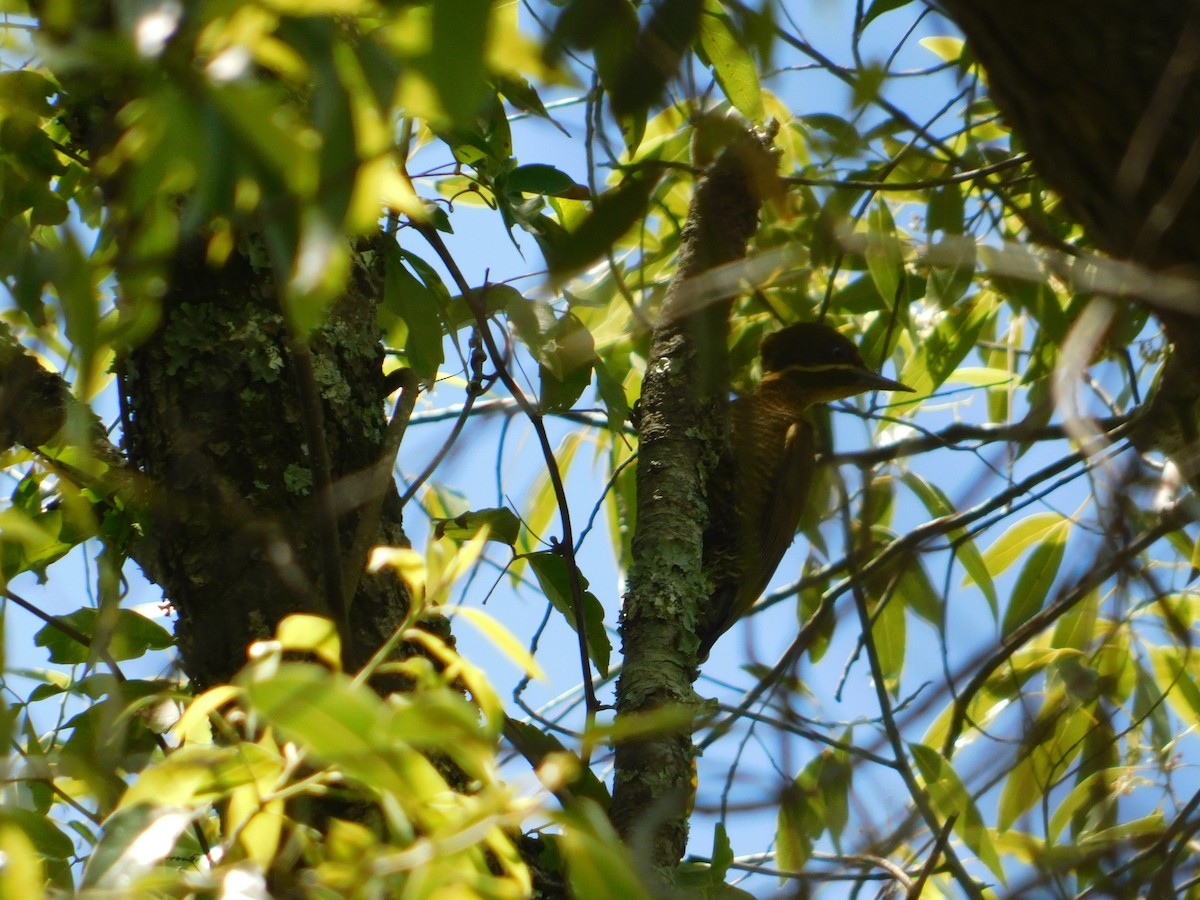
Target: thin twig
[
  {"x": 380, "y": 475},
  {"x": 567, "y": 545}
]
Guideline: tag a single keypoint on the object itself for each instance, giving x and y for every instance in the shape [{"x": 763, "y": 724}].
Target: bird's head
[{"x": 813, "y": 358}]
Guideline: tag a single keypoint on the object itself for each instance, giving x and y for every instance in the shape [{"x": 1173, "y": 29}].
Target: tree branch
[{"x": 683, "y": 438}]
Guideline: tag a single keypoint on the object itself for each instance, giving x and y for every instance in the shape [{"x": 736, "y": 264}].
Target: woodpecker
[{"x": 774, "y": 453}]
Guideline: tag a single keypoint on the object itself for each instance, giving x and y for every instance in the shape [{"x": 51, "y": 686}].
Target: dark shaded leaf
[
  {"x": 542, "y": 179},
  {"x": 614, "y": 213},
  {"x": 502, "y": 524},
  {"x": 132, "y": 636},
  {"x": 656, "y": 56},
  {"x": 551, "y": 571}
]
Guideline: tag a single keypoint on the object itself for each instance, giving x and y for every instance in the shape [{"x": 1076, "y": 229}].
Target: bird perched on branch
[{"x": 774, "y": 456}]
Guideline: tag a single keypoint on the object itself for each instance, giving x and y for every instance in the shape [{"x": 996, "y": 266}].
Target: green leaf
[
  {"x": 918, "y": 593},
  {"x": 132, "y": 636},
  {"x": 878, "y": 8},
  {"x": 884, "y": 253},
  {"x": 494, "y": 297},
  {"x": 535, "y": 744},
  {"x": 542, "y": 179},
  {"x": 656, "y": 56},
  {"x": 542, "y": 503},
  {"x": 304, "y": 633},
  {"x": 46, "y": 838},
  {"x": 598, "y": 865},
  {"x": 799, "y": 819},
  {"x": 889, "y": 632},
  {"x": 733, "y": 66},
  {"x": 613, "y": 214},
  {"x": 522, "y": 95},
  {"x": 1174, "y": 675},
  {"x": 563, "y": 348},
  {"x": 1055, "y": 739},
  {"x": 940, "y": 352},
  {"x": 722, "y": 851},
  {"x": 197, "y": 774},
  {"x": 502, "y": 523},
  {"x": 950, "y": 797},
  {"x": 1036, "y": 578},
  {"x": 417, "y": 302},
  {"x": 612, "y": 395},
  {"x": 24, "y": 873},
  {"x": 952, "y": 269},
  {"x": 1018, "y": 538},
  {"x": 965, "y": 548},
  {"x": 455, "y": 63},
  {"x": 347, "y": 725},
  {"x": 567, "y": 356},
  {"x": 551, "y": 571},
  {"x": 946, "y": 48},
  {"x": 134, "y": 841}
]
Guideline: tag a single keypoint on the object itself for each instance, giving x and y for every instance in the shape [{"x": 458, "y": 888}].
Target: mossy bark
[{"x": 683, "y": 437}]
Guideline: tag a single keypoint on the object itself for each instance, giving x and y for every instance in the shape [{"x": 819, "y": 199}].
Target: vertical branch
[{"x": 683, "y": 438}]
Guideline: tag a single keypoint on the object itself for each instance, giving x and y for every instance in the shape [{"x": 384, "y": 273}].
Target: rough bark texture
[
  {"x": 683, "y": 436},
  {"x": 1106, "y": 98},
  {"x": 214, "y": 421}
]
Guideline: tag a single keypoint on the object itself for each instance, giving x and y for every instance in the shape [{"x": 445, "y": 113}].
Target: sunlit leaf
[
  {"x": 735, "y": 70},
  {"x": 950, "y": 797},
  {"x": 22, "y": 874},
  {"x": 948, "y": 49},
  {"x": 504, "y": 640},
  {"x": 1018, "y": 538},
  {"x": 1036, "y": 578},
  {"x": 311, "y": 634}
]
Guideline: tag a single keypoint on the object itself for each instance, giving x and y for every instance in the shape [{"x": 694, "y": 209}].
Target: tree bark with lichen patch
[{"x": 683, "y": 436}]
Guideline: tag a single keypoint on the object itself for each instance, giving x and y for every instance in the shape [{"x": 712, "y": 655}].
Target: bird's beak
[{"x": 873, "y": 381}]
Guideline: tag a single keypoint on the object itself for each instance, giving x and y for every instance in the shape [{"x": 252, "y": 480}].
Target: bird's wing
[{"x": 777, "y": 528}]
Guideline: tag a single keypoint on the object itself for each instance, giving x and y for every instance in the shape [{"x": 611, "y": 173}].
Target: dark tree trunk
[
  {"x": 1106, "y": 98},
  {"x": 215, "y": 405},
  {"x": 215, "y": 420}
]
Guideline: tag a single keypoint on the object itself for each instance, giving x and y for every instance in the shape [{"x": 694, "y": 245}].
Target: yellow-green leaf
[{"x": 733, "y": 66}]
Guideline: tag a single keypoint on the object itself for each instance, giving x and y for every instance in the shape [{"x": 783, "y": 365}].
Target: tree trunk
[
  {"x": 1106, "y": 98},
  {"x": 236, "y": 422}
]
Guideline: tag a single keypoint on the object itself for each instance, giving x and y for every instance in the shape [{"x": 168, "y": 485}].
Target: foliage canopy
[{"x": 975, "y": 674}]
